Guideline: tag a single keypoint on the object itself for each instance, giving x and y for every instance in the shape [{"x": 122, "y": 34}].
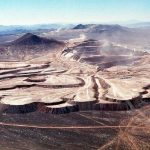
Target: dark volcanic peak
[
  {"x": 29, "y": 46},
  {"x": 31, "y": 39},
  {"x": 81, "y": 26}
]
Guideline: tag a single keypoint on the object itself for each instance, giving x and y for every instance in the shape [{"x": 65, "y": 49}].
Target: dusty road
[{"x": 69, "y": 127}]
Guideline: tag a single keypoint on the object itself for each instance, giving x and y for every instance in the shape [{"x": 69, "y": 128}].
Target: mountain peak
[
  {"x": 28, "y": 38},
  {"x": 29, "y": 35},
  {"x": 31, "y": 39},
  {"x": 82, "y": 26}
]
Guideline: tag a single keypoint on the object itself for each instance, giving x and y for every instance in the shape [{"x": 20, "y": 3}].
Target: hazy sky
[{"x": 72, "y": 11}]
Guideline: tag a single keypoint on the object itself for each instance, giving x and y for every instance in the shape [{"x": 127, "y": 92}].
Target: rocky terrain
[{"x": 64, "y": 88}]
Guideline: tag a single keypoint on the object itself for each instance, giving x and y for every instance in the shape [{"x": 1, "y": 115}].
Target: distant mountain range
[
  {"x": 36, "y": 43},
  {"x": 38, "y": 28},
  {"x": 17, "y": 29}
]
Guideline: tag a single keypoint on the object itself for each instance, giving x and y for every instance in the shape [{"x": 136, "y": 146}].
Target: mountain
[
  {"x": 107, "y": 28},
  {"x": 82, "y": 26},
  {"x": 31, "y": 39},
  {"x": 29, "y": 46}
]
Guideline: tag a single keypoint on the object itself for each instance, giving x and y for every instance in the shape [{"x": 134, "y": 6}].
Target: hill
[
  {"x": 28, "y": 46},
  {"x": 82, "y": 26},
  {"x": 31, "y": 39}
]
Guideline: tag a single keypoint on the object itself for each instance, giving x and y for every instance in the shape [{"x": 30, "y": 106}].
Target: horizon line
[{"x": 91, "y": 22}]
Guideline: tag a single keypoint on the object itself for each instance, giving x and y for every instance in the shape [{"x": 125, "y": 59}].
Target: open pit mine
[
  {"x": 80, "y": 76},
  {"x": 84, "y": 90}
]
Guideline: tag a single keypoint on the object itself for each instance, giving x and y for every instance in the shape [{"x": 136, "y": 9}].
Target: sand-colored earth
[
  {"x": 77, "y": 77},
  {"x": 67, "y": 84}
]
